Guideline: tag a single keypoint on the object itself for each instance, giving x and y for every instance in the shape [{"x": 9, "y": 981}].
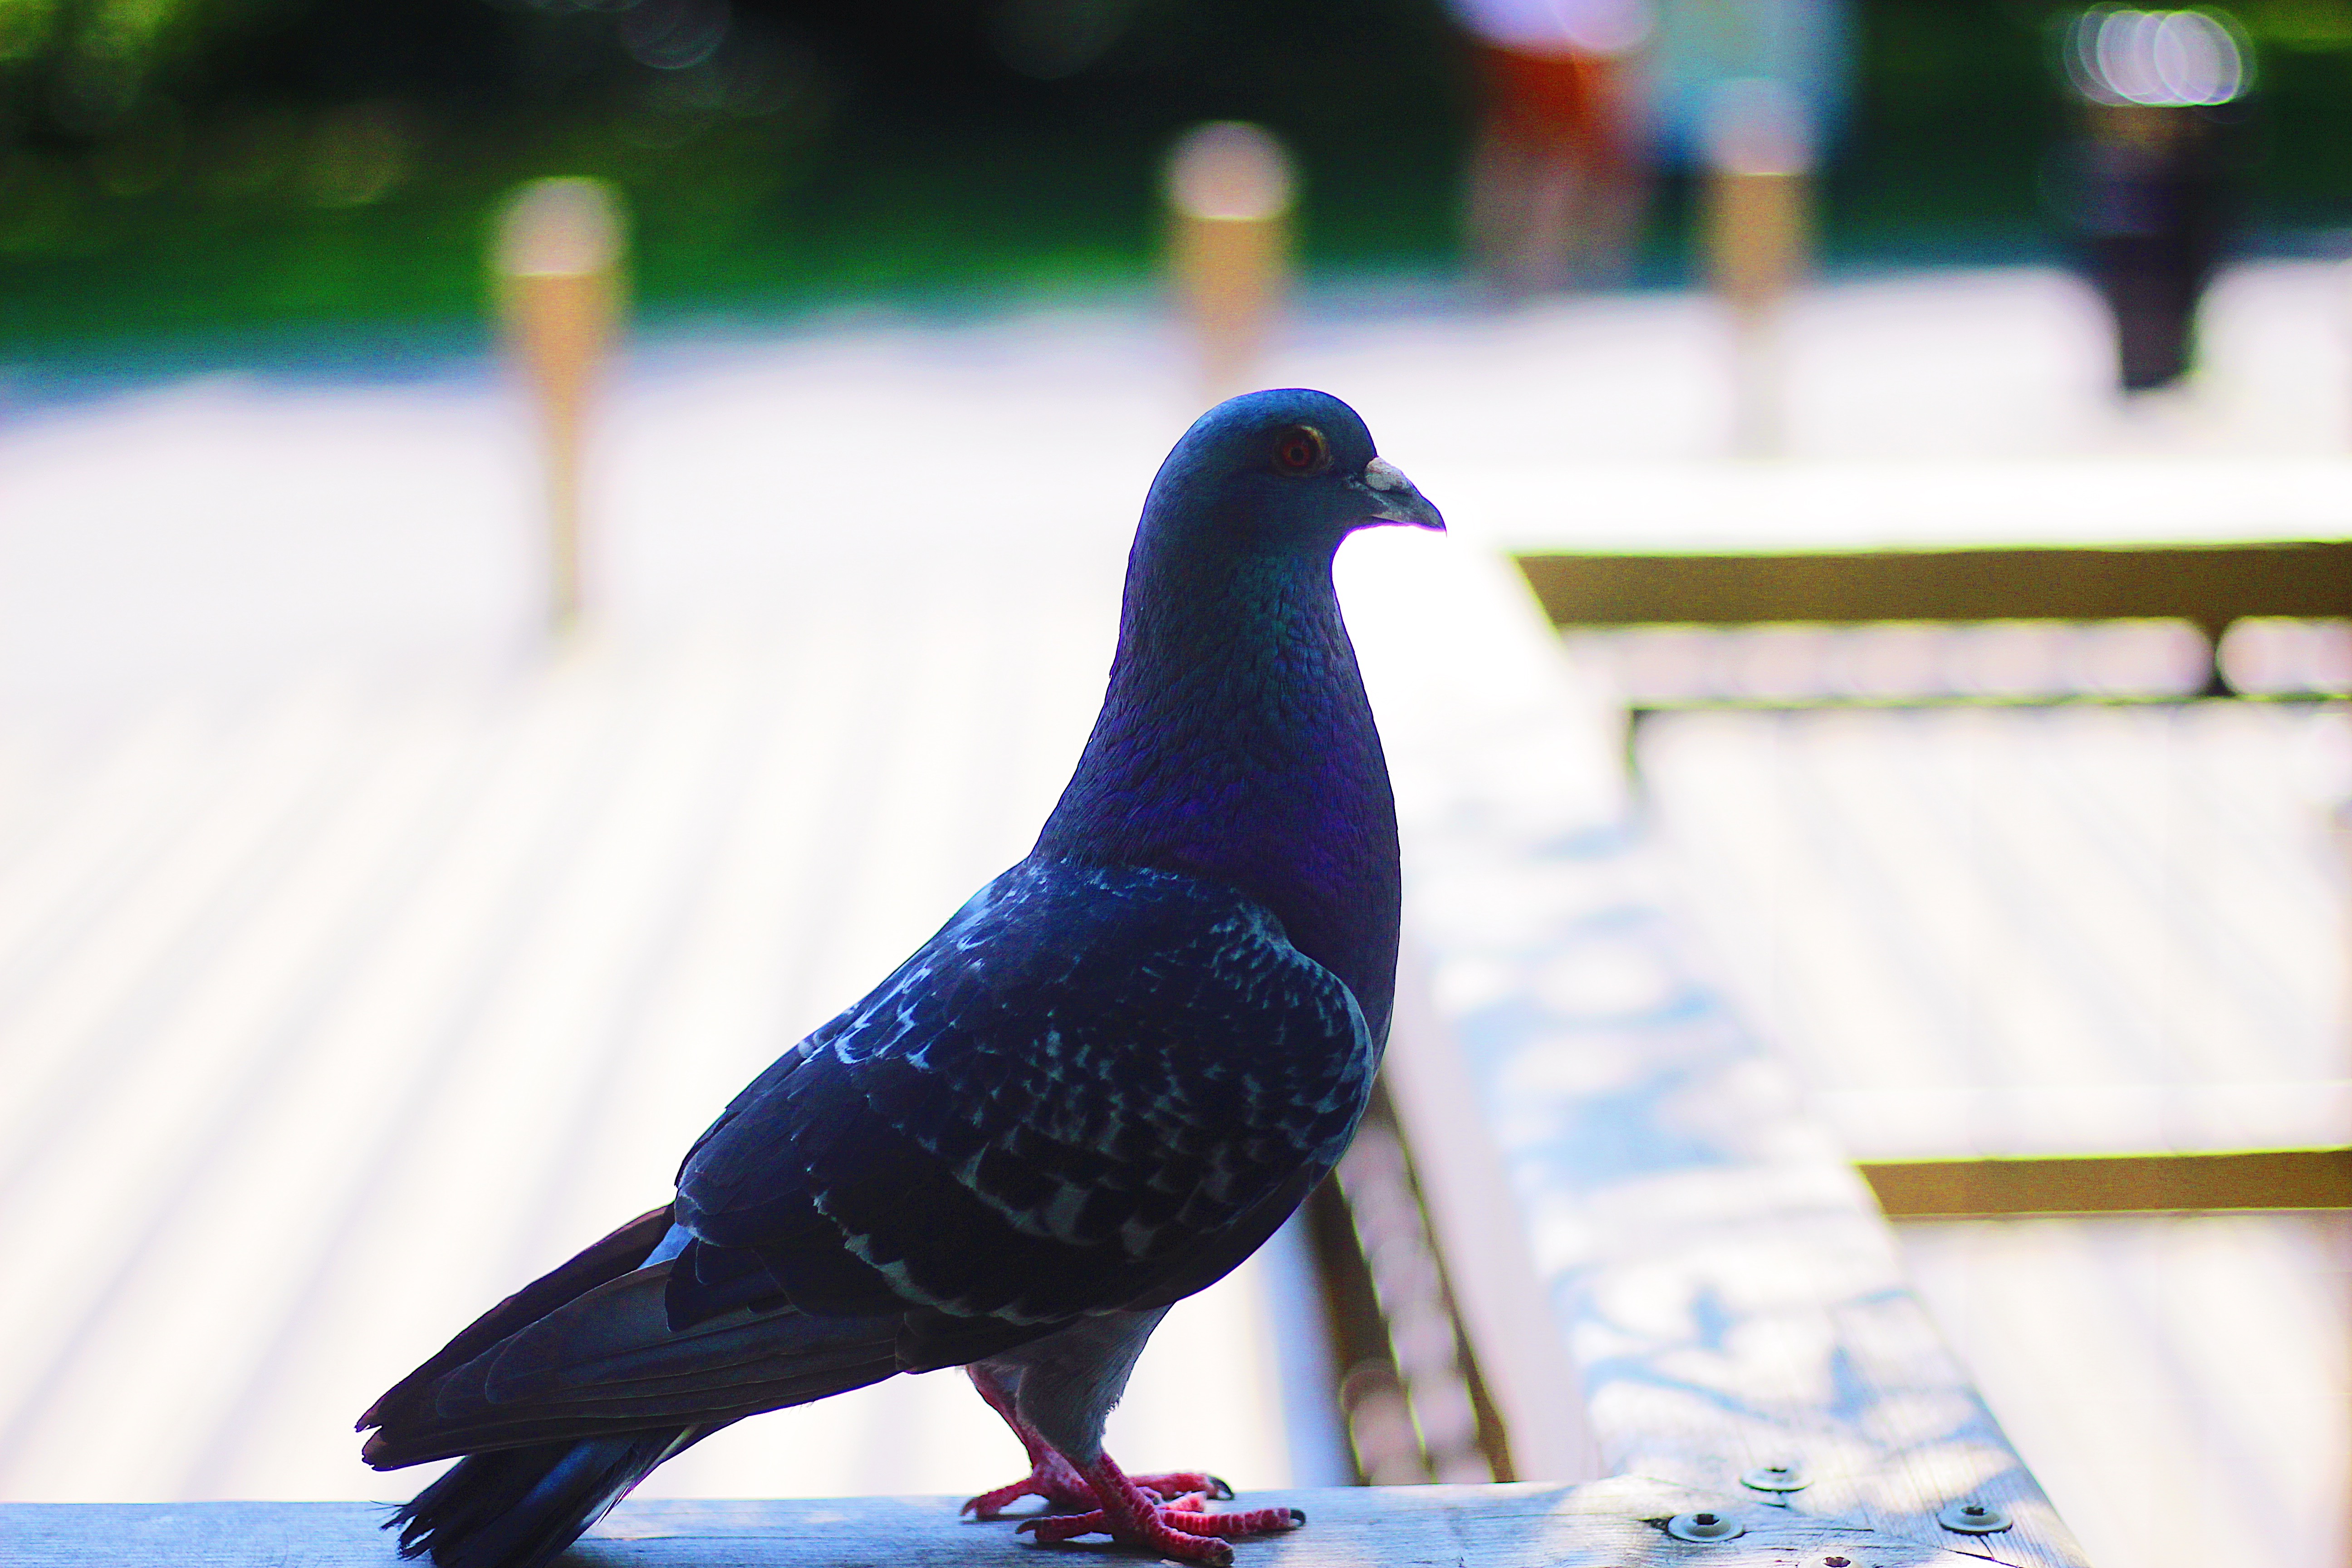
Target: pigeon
[{"x": 1107, "y": 1080}]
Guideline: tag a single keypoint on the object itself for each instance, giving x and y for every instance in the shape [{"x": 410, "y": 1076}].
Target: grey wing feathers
[{"x": 1088, "y": 1077}]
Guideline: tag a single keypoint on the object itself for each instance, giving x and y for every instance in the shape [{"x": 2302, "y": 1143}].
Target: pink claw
[{"x": 1174, "y": 1484}]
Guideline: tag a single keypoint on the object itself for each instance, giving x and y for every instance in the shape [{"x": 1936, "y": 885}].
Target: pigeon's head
[{"x": 1281, "y": 471}]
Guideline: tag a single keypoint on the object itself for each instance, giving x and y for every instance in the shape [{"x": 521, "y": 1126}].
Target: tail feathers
[
  {"x": 519, "y": 1507},
  {"x": 608, "y": 1259},
  {"x": 607, "y": 1363}
]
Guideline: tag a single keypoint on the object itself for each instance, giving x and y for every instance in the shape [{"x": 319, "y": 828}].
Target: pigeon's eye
[{"x": 1301, "y": 449}]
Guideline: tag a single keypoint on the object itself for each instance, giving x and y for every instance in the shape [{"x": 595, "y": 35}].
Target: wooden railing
[
  {"x": 1611, "y": 1524},
  {"x": 1664, "y": 1275}
]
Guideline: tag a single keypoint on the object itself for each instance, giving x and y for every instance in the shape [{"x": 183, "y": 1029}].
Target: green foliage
[
  {"x": 2299, "y": 27},
  {"x": 1955, "y": 110},
  {"x": 180, "y": 165}
]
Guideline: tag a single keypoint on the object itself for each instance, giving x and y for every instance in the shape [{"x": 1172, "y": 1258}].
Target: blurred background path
[{"x": 182, "y": 529}]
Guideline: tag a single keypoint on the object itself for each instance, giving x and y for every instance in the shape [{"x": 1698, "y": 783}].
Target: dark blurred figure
[
  {"x": 1559, "y": 171},
  {"x": 2155, "y": 198}
]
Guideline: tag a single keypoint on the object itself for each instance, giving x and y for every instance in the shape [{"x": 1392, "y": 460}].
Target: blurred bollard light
[
  {"x": 1229, "y": 197},
  {"x": 1759, "y": 156},
  {"x": 558, "y": 263},
  {"x": 2151, "y": 176}
]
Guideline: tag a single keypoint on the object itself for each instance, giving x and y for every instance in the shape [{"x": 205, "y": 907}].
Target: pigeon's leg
[
  {"x": 1053, "y": 1478},
  {"x": 1183, "y": 1528},
  {"x": 1050, "y": 1476}
]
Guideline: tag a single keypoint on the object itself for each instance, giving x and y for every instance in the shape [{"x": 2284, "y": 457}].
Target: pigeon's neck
[{"x": 1235, "y": 744}]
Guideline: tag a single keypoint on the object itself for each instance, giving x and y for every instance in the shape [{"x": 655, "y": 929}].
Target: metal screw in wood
[
  {"x": 1776, "y": 1479},
  {"x": 1703, "y": 1526},
  {"x": 1974, "y": 1517}
]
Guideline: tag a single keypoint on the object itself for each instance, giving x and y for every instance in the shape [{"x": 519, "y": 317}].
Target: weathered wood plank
[
  {"x": 1619, "y": 1524},
  {"x": 1728, "y": 1295},
  {"x": 1505, "y": 1311}
]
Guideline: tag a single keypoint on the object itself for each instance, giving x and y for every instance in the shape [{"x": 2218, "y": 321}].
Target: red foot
[
  {"x": 1052, "y": 1478},
  {"x": 1065, "y": 1489},
  {"x": 1183, "y": 1528}
]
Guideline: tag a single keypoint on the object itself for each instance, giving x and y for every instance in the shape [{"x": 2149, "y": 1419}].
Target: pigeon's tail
[{"x": 519, "y": 1507}]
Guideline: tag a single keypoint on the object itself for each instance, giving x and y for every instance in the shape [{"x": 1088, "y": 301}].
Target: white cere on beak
[{"x": 1382, "y": 475}]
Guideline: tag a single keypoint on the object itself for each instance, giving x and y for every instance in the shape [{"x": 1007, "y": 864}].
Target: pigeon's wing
[{"x": 1097, "y": 1087}]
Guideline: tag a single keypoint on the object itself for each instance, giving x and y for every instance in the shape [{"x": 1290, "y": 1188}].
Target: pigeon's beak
[{"x": 1394, "y": 498}]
